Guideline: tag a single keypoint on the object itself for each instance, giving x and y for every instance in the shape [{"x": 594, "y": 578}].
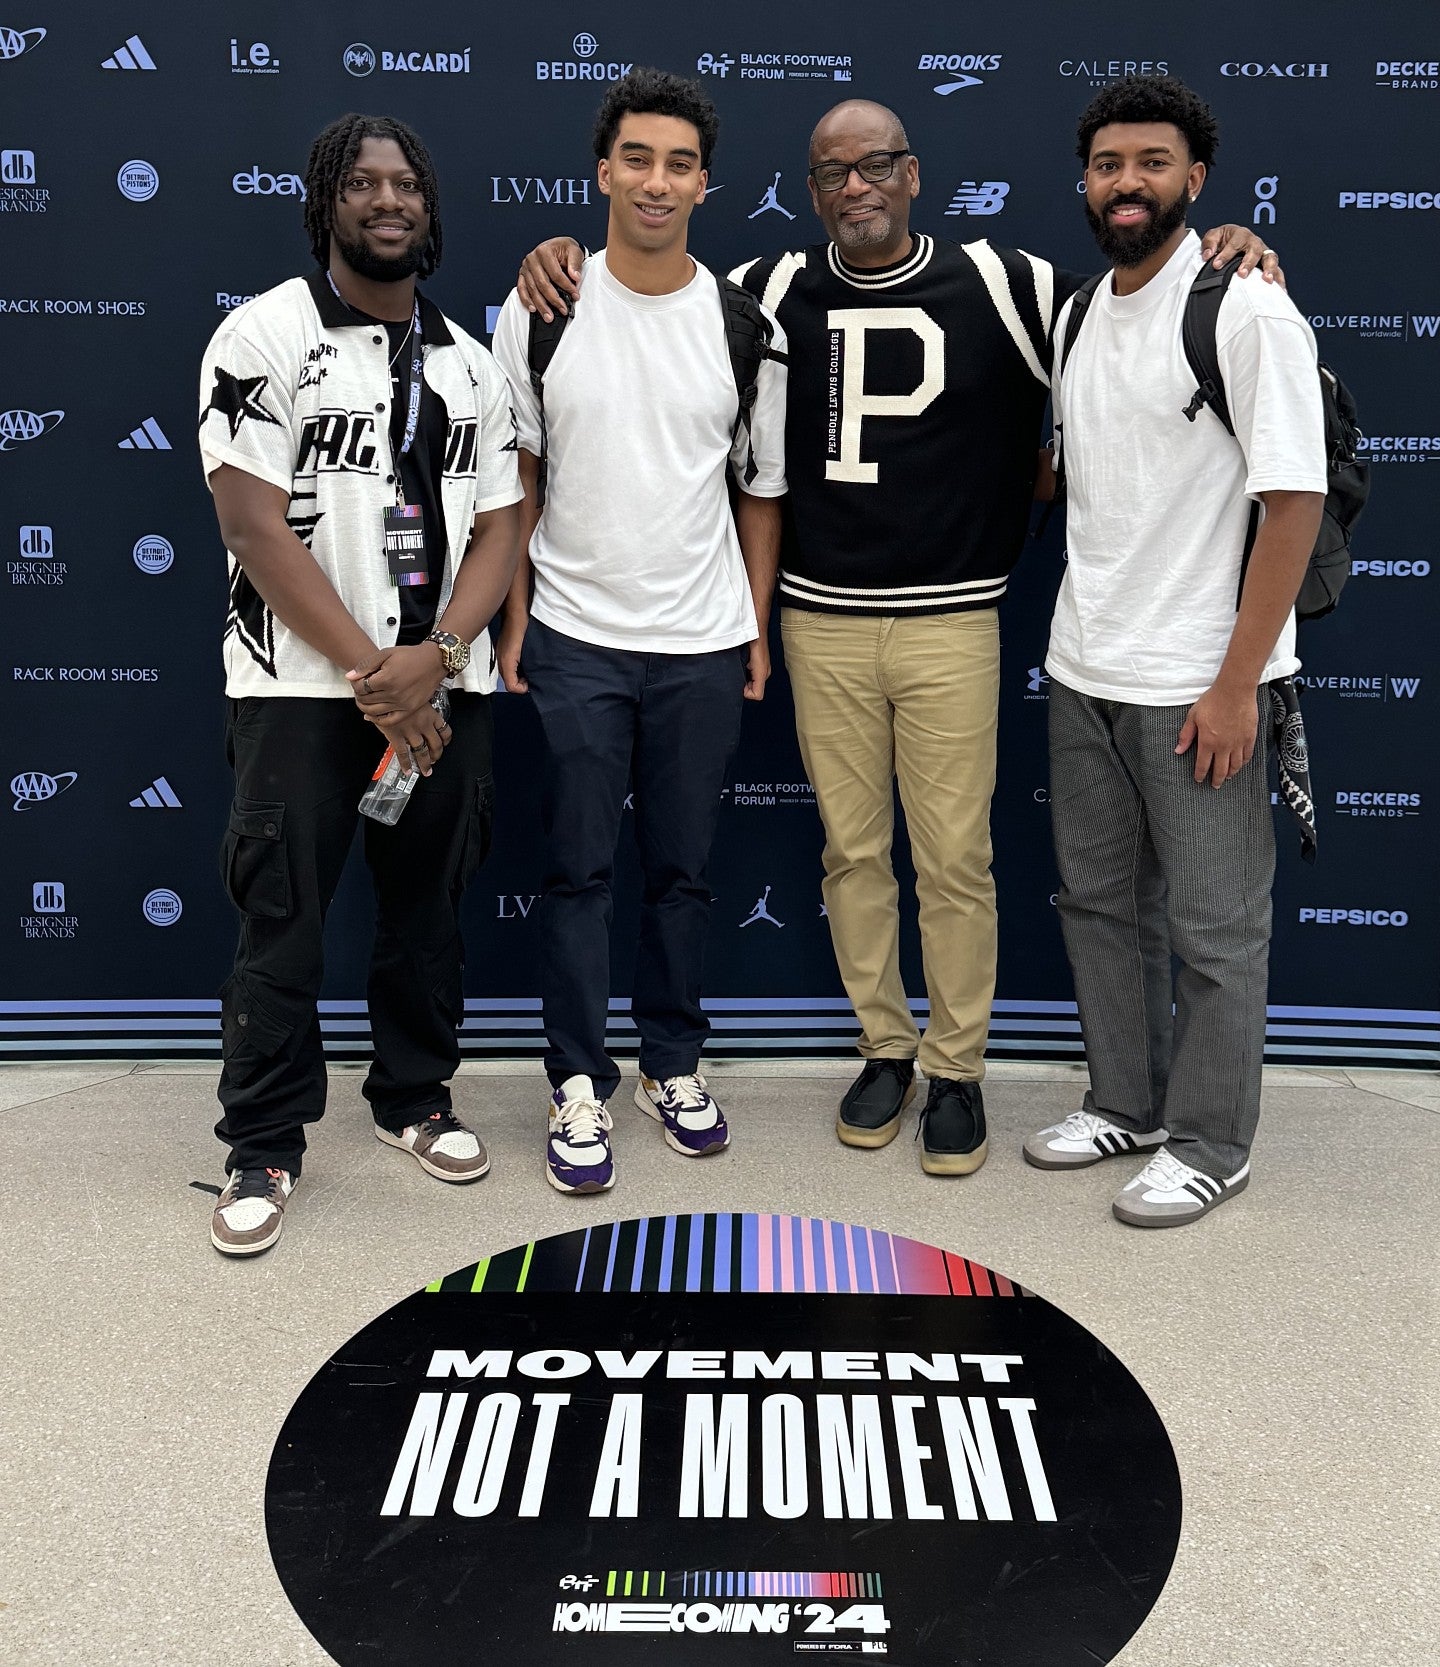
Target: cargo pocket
[
  {"x": 250, "y": 1033},
  {"x": 480, "y": 818},
  {"x": 254, "y": 863}
]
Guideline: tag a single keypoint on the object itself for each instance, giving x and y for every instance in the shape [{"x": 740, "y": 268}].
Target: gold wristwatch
[{"x": 454, "y": 652}]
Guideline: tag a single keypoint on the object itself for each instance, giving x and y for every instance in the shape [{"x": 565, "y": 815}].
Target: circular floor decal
[{"x": 723, "y": 1439}]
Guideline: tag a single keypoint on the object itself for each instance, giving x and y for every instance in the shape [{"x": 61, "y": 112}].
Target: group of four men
[{"x": 375, "y": 474}]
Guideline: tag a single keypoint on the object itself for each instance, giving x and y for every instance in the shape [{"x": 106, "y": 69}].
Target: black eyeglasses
[{"x": 877, "y": 166}]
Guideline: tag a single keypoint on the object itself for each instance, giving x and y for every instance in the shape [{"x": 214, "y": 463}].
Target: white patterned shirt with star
[{"x": 295, "y": 390}]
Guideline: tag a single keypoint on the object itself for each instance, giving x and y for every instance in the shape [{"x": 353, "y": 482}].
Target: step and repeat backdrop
[{"x": 151, "y": 167}]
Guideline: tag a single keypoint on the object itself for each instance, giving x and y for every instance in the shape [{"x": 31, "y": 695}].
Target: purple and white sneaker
[
  {"x": 694, "y": 1124},
  {"x": 577, "y": 1149}
]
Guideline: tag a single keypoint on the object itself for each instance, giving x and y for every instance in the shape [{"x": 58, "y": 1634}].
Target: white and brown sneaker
[
  {"x": 442, "y": 1145},
  {"x": 251, "y": 1211}
]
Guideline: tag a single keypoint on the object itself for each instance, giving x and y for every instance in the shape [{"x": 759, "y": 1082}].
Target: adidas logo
[
  {"x": 148, "y": 437},
  {"x": 159, "y": 795},
  {"x": 130, "y": 56}
]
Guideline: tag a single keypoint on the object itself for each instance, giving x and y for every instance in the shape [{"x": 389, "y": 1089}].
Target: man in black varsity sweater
[{"x": 919, "y": 371}]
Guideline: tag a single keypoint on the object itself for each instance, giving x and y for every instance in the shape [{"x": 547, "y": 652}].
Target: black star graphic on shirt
[{"x": 238, "y": 397}]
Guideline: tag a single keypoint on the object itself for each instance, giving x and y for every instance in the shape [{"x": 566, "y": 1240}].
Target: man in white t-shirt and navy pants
[
  {"x": 1158, "y": 698},
  {"x": 646, "y": 628}
]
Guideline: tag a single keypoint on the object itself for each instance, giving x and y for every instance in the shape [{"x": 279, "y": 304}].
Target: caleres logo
[
  {"x": 362, "y": 59},
  {"x": 1386, "y": 805},
  {"x": 1097, "y": 71},
  {"x": 1354, "y": 917},
  {"x": 584, "y": 66},
  {"x": 985, "y": 197},
  {"x": 35, "y": 787},
  {"x": 18, "y": 426},
  {"x": 254, "y": 183},
  {"x": 15, "y": 42},
  {"x": 1277, "y": 72},
  {"x": 958, "y": 68}
]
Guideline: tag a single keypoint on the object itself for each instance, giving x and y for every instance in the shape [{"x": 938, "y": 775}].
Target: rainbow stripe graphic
[
  {"x": 731, "y": 1253},
  {"x": 739, "y": 1583}
]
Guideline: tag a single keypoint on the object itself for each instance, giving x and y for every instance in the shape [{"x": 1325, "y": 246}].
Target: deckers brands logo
[
  {"x": 15, "y": 42},
  {"x": 1277, "y": 72},
  {"x": 1390, "y": 199},
  {"x": 359, "y": 58},
  {"x": 986, "y": 197},
  {"x": 258, "y": 184},
  {"x": 509, "y": 189},
  {"x": 35, "y": 787},
  {"x": 1408, "y": 74},
  {"x": 958, "y": 68},
  {"x": 256, "y": 59},
  {"x": 138, "y": 181},
  {"x": 18, "y": 426},
  {"x": 1097, "y": 71},
  {"x": 584, "y": 66},
  {"x": 1400, "y": 448},
  {"x": 1354, "y": 917},
  {"x": 1385, "y": 805}
]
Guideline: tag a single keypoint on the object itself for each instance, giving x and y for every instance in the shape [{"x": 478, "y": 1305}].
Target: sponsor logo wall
[{"x": 130, "y": 239}]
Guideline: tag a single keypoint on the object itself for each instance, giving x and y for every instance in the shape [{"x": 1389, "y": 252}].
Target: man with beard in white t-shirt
[
  {"x": 1158, "y": 678},
  {"x": 637, "y": 623}
]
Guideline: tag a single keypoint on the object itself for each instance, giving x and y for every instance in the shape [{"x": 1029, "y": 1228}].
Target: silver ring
[{"x": 1265, "y": 252}]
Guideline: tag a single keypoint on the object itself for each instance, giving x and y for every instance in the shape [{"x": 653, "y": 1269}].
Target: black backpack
[
  {"x": 1347, "y": 475},
  {"x": 747, "y": 335}
]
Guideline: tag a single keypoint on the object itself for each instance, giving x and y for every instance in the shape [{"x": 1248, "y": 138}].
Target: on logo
[
  {"x": 988, "y": 197},
  {"x": 17, "y": 167},
  {"x": 359, "y": 59},
  {"x": 38, "y": 543},
  {"x": 33, "y": 787},
  {"x": 15, "y": 41},
  {"x": 585, "y": 45},
  {"x": 19, "y": 426}
]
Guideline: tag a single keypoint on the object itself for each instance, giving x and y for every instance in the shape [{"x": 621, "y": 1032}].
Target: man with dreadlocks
[{"x": 361, "y": 452}]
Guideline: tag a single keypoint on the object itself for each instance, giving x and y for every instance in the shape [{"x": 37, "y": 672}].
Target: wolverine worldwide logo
[{"x": 18, "y": 426}]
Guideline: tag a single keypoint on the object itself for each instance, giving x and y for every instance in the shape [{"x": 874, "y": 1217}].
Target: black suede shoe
[
  {"x": 952, "y": 1122},
  {"x": 870, "y": 1112}
]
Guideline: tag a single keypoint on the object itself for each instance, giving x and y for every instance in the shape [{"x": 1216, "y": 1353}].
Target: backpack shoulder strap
[
  {"x": 544, "y": 339},
  {"x": 1079, "y": 305},
  {"x": 747, "y": 338},
  {"x": 1197, "y": 336}
]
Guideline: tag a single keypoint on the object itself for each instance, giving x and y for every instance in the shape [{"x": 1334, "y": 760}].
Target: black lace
[{"x": 257, "y": 1183}]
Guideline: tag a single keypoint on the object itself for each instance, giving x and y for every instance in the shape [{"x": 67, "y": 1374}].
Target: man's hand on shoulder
[
  {"x": 549, "y": 276},
  {"x": 1222, "y": 243}
]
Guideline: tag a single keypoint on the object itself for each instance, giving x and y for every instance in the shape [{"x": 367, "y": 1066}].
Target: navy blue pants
[{"x": 664, "y": 726}]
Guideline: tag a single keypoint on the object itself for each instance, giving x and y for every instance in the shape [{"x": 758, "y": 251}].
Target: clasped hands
[{"x": 393, "y": 687}]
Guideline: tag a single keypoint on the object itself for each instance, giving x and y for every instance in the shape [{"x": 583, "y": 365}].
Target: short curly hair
[
  {"x": 1150, "y": 98},
  {"x": 655, "y": 92}
]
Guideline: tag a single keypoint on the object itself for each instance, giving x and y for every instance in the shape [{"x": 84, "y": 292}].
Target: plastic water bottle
[{"x": 384, "y": 800}]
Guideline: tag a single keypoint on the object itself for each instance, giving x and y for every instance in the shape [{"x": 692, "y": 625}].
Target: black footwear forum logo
[{"x": 717, "y": 1439}]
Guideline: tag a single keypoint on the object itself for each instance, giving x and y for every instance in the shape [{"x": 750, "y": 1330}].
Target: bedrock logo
[{"x": 1354, "y": 917}]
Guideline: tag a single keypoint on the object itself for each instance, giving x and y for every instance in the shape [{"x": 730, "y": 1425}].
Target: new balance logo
[
  {"x": 148, "y": 437},
  {"x": 130, "y": 56},
  {"x": 988, "y": 197},
  {"x": 159, "y": 795}
]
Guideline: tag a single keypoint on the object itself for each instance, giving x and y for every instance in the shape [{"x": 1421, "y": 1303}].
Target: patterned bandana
[{"x": 1292, "y": 755}]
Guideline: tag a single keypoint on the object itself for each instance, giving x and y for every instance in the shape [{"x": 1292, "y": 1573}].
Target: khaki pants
[{"x": 913, "y": 699}]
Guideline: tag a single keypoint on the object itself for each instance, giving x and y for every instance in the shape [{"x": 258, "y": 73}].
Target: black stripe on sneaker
[{"x": 1203, "y": 1188}]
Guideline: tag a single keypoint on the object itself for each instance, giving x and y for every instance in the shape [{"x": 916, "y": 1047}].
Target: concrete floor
[{"x": 1289, "y": 1340}]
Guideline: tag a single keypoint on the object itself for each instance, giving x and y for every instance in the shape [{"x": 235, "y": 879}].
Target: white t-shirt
[
  {"x": 636, "y": 547},
  {"x": 1158, "y": 505}
]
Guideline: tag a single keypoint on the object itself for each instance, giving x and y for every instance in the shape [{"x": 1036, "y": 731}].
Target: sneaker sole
[
  {"x": 1132, "y": 1218},
  {"x": 255, "y": 1247},
  {"x": 584, "y": 1186},
  {"x": 871, "y": 1140},
  {"x": 954, "y": 1163},
  {"x": 387, "y": 1139},
  {"x": 651, "y": 1110},
  {"x": 1081, "y": 1161}
]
